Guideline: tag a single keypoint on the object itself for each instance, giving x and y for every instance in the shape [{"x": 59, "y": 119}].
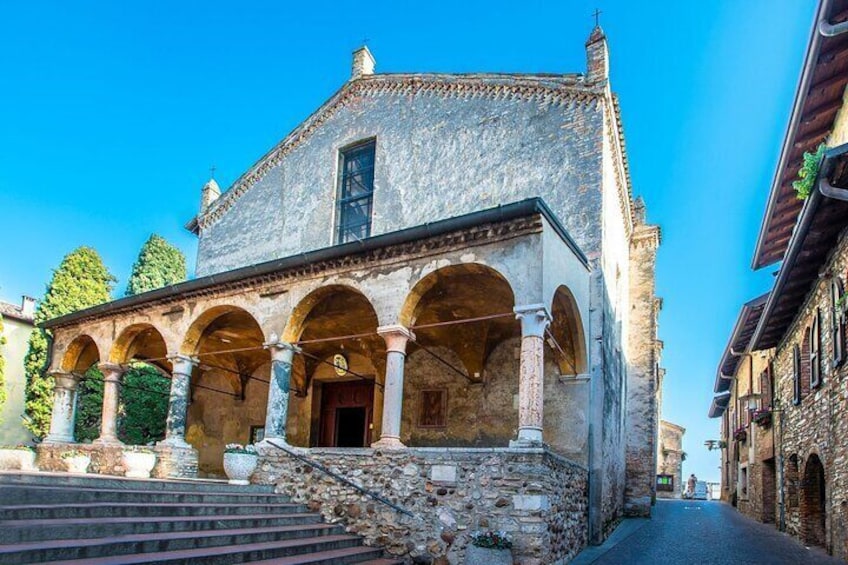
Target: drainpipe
[
  {"x": 781, "y": 495},
  {"x": 828, "y": 29}
]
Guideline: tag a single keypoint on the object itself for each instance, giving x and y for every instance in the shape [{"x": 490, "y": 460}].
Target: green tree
[
  {"x": 80, "y": 281},
  {"x": 89, "y": 405},
  {"x": 159, "y": 264},
  {"x": 144, "y": 394},
  {"x": 144, "y": 404},
  {"x": 2, "y": 369}
]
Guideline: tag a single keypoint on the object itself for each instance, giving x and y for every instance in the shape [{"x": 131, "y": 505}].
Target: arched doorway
[
  {"x": 229, "y": 385},
  {"x": 145, "y": 387},
  {"x": 813, "y": 508},
  {"x": 81, "y": 359},
  {"x": 337, "y": 379},
  {"x": 461, "y": 379}
]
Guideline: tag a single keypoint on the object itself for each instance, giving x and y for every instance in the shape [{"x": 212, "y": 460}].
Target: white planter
[
  {"x": 138, "y": 465},
  {"x": 484, "y": 556},
  {"x": 17, "y": 460},
  {"x": 239, "y": 467},
  {"x": 77, "y": 463}
]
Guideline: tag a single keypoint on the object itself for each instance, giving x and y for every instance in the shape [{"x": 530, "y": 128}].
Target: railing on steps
[{"x": 343, "y": 480}]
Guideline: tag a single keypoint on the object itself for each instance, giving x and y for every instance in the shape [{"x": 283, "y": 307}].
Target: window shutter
[
  {"x": 837, "y": 322},
  {"x": 815, "y": 348},
  {"x": 796, "y": 375}
]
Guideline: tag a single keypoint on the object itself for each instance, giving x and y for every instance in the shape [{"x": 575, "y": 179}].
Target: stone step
[
  {"x": 110, "y": 482},
  {"x": 132, "y": 510},
  {"x": 315, "y": 551},
  {"x": 24, "y": 531},
  {"x": 15, "y": 494},
  {"x": 285, "y": 541}
]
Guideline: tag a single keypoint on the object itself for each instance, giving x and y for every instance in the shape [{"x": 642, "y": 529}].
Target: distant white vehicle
[{"x": 701, "y": 491}]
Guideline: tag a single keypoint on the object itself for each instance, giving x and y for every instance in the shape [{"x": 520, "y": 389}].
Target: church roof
[
  {"x": 262, "y": 271},
  {"x": 556, "y": 89},
  {"x": 818, "y": 98}
]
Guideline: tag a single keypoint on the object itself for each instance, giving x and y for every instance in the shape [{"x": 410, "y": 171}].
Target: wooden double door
[{"x": 346, "y": 413}]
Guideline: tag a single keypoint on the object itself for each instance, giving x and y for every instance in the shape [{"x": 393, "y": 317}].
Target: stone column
[
  {"x": 175, "y": 426},
  {"x": 396, "y": 339},
  {"x": 534, "y": 319},
  {"x": 64, "y": 408},
  {"x": 111, "y": 393},
  {"x": 276, "y": 413}
]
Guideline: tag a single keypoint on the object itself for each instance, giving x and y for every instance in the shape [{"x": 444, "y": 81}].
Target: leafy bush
[
  {"x": 808, "y": 173},
  {"x": 491, "y": 540}
]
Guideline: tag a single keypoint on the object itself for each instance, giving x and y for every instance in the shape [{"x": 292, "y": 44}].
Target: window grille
[
  {"x": 355, "y": 193},
  {"x": 815, "y": 348},
  {"x": 796, "y": 375},
  {"x": 837, "y": 322}
]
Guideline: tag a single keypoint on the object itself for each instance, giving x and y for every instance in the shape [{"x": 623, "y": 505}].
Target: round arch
[
  {"x": 567, "y": 329},
  {"x": 141, "y": 342},
  {"x": 80, "y": 355},
  {"x": 813, "y": 502}
]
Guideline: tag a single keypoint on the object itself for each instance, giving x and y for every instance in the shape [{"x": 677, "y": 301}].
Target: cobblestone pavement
[{"x": 699, "y": 532}]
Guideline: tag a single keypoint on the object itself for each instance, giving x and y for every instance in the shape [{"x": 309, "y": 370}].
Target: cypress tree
[
  {"x": 144, "y": 396},
  {"x": 159, "y": 264},
  {"x": 80, "y": 281}
]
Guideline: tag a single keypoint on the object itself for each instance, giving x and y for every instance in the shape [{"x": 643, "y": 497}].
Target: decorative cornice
[
  {"x": 615, "y": 132},
  {"x": 552, "y": 89},
  {"x": 477, "y": 235}
]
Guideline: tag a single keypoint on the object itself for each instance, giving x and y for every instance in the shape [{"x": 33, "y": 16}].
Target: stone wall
[
  {"x": 818, "y": 426},
  {"x": 171, "y": 462},
  {"x": 537, "y": 497},
  {"x": 444, "y": 147},
  {"x": 670, "y": 457}
]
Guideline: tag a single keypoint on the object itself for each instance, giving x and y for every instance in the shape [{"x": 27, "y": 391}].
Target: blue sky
[{"x": 112, "y": 114}]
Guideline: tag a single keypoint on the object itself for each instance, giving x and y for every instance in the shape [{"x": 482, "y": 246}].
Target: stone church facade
[{"x": 438, "y": 288}]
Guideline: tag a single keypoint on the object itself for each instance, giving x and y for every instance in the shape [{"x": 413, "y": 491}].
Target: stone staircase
[{"x": 98, "y": 520}]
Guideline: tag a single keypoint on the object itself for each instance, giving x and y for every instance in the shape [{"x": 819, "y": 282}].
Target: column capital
[
  {"x": 281, "y": 350},
  {"x": 183, "y": 364},
  {"x": 63, "y": 380},
  {"x": 396, "y": 337},
  {"x": 111, "y": 371},
  {"x": 534, "y": 319}
]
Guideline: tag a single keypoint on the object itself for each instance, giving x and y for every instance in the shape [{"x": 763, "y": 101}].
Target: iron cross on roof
[{"x": 597, "y": 15}]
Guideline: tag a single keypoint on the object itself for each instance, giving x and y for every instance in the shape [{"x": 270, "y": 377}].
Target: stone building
[
  {"x": 17, "y": 325},
  {"x": 438, "y": 286},
  {"x": 670, "y": 456},
  {"x": 798, "y": 343}
]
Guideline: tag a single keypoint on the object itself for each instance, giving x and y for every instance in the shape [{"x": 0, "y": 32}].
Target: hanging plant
[{"x": 808, "y": 173}]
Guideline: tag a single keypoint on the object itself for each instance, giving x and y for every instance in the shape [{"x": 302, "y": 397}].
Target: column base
[
  {"x": 528, "y": 437},
  {"x": 175, "y": 442},
  {"x": 108, "y": 442},
  {"x": 388, "y": 443},
  {"x": 175, "y": 462},
  {"x": 56, "y": 438}
]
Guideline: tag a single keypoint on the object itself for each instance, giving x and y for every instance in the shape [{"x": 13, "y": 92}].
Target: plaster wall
[
  {"x": 437, "y": 156},
  {"x": 16, "y": 332}
]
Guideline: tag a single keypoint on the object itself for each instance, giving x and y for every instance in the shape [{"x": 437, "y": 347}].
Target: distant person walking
[{"x": 690, "y": 485}]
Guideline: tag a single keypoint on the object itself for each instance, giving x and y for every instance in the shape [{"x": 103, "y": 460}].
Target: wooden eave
[
  {"x": 739, "y": 341},
  {"x": 817, "y": 101},
  {"x": 821, "y": 221}
]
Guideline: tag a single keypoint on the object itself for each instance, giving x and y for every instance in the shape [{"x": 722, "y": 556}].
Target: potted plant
[
  {"x": 17, "y": 458},
  {"x": 740, "y": 434},
  {"x": 762, "y": 417},
  {"x": 239, "y": 463},
  {"x": 76, "y": 461},
  {"x": 489, "y": 548},
  {"x": 138, "y": 461}
]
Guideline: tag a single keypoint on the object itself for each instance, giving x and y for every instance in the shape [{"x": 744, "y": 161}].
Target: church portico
[{"x": 422, "y": 342}]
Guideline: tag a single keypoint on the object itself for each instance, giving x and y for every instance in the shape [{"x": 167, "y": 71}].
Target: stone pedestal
[
  {"x": 111, "y": 395},
  {"x": 64, "y": 408},
  {"x": 396, "y": 339},
  {"x": 534, "y": 320},
  {"x": 175, "y": 462}
]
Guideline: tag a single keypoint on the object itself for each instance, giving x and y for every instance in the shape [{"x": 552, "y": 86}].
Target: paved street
[{"x": 698, "y": 532}]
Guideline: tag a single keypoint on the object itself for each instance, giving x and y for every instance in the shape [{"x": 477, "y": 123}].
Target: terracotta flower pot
[{"x": 239, "y": 467}]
